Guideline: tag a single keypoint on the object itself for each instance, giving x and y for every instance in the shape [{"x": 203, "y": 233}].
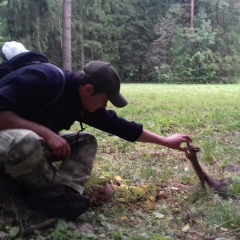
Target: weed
[
  {"x": 226, "y": 215},
  {"x": 148, "y": 173},
  {"x": 210, "y": 149},
  {"x": 198, "y": 195},
  {"x": 233, "y": 190}
]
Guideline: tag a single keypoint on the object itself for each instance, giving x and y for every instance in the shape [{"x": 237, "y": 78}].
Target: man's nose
[{"x": 104, "y": 105}]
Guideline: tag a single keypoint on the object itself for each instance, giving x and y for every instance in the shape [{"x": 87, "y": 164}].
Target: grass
[{"x": 210, "y": 114}]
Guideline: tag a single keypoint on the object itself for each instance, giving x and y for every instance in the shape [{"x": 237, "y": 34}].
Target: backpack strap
[
  {"x": 62, "y": 88},
  {"x": 26, "y": 58}
]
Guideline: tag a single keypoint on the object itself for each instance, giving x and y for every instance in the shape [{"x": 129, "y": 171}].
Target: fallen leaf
[
  {"x": 118, "y": 178},
  {"x": 14, "y": 232},
  {"x": 158, "y": 215},
  {"x": 121, "y": 200},
  {"x": 152, "y": 198},
  {"x": 186, "y": 227},
  {"x": 176, "y": 210},
  {"x": 223, "y": 229},
  {"x": 123, "y": 219}
]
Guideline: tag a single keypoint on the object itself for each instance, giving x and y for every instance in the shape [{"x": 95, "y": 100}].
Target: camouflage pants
[{"x": 25, "y": 158}]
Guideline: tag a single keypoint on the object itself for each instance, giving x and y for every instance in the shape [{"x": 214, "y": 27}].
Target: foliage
[
  {"x": 163, "y": 74},
  {"x": 159, "y": 55},
  {"x": 62, "y": 232},
  {"x": 147, "y": 40},
  {"x": 194, "y": 61}
]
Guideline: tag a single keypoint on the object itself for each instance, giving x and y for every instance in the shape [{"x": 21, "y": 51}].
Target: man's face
[{"x": 91, "y": 102}]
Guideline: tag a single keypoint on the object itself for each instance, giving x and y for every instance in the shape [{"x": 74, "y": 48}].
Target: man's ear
[{"x": 88, "y": 88}]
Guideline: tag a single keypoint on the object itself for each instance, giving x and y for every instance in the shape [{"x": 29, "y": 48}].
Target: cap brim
[{"x": 118, "y": 100}]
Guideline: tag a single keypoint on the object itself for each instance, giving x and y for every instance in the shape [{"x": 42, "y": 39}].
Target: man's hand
[
  {"x": 175, "y": 141},
  {"x": 58, "y": 146}
]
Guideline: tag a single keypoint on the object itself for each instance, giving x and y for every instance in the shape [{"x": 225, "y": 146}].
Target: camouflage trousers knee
[{"x": 25, "y": 157}]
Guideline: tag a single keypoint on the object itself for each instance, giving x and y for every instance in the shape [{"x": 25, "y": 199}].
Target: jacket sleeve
[{"x": 108, "y": 121}]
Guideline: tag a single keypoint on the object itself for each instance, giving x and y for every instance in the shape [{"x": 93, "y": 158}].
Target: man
[{"x": 40, "y": 100}]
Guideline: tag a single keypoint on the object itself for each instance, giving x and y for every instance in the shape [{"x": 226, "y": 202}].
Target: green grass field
[
  {"x": 158, "y": 195},
  {"x": 210, "y": 114}
]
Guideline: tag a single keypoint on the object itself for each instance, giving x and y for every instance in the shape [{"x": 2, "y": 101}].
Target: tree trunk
[
  {"x": 66, "y": 38},
  {"x": 192, "y": 15},
  {"x": 81, "y": 33}
]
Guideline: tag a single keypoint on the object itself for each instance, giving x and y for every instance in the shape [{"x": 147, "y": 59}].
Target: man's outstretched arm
[{"x": 173, "y": 141}]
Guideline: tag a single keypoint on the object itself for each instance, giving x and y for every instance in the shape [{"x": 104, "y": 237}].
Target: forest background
[
  {"x": 148, "y": 41},
  {"x": 165, "y": 41}
]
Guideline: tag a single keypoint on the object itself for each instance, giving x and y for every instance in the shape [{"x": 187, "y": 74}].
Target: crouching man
[{"x": 37, "y": 102}]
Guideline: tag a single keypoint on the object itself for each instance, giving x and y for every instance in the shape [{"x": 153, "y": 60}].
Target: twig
[
  {"x": 216, "y": 161},
  {"x": 40, "y": 225}
]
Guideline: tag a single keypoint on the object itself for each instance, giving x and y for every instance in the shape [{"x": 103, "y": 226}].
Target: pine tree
[
  {"x": 28, "y": 23},
  {"x": 139, "y": 18},
  {"x": 66, "y": 39}
]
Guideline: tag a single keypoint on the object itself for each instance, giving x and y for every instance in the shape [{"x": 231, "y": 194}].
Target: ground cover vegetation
[
  {"x": 141, "y": 191},
  {"x": 147, "y": 40}
]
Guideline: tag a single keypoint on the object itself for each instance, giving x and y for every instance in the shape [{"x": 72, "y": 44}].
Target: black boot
[
  {"x": 9, "y": 188},
  {"x": 59, "y": 201}
]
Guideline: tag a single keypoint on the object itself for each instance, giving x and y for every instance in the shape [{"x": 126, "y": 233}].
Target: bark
[
  {"x": 81, "y": 33},
  {"x": 66, "y": 38},
  {"x": 192, "y": 15}
]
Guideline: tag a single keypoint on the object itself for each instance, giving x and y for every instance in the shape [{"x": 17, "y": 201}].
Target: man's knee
[
  {"x": 87, "y": 139},
  {"x": 84, "y": 151},
  {"x": 91, "y": 139},
  {"x": 26, "y": 163},
  {"x": 27, "y": 145}
]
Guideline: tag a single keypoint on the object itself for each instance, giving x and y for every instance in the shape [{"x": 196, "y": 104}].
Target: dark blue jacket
[{"x": 40, "y": 94}]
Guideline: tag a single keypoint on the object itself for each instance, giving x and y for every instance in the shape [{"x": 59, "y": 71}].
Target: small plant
[
  {"x": 210, "y": 149},
  {"x": 63, "y": 232},
  {"x": 198, "y": 194},
  {"x": 148, "y": 172},
  {"x": 226, "y": 215},
  {"x": 233, "y": 191}
]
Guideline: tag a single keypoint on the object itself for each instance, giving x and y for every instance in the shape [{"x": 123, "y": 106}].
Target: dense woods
[{"x": 172, "y": 41}]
